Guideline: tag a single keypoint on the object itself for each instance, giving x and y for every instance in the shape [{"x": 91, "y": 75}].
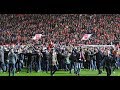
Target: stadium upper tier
[{"x": 67, "y": 28}]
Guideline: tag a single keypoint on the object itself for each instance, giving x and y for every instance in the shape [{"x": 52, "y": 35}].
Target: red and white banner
[
  {"x": 37, "y": 37},
  {"x": 86, "y": 36}
]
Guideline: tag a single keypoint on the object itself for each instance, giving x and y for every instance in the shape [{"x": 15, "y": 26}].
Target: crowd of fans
[
  {"x": 59, "y": 28},
  {"x": 42, "y": 59}
]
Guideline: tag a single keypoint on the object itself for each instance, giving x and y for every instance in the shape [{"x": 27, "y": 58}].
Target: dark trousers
[
  {"x": 103, "y": 64},
  {"x": 54, "y": 69},
  {"x": 18, "y": 66},
  {"x": 114, "y": 66},
  {"x": 63, "y": 64},
  {"x": 72, "y": 65},
  {"x": 2, "y": 66},
  {"x": 29, "y": 66},
  {"x": 46, "y": 66},
  {"x": 60, "y": 64},
  {"x": 35, "y": 65},
  {"x": 38, "y": 65},
  {"x": 77, "y": 67},
  {"x": 7, "y": 67},
  {"x": 98, "y": 67},
  {"x": 108, "y": 70},
  {"x": 103, "y": 67},
  {"x": 11, "y": 69},
  {"x": 88, "y": 64},
  {"x": 67, "y": 67}
]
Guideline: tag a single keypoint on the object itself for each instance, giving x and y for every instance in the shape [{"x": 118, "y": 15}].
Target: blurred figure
[
  {"x": 113, "y": 55},
  {"x": 19, "y": 63},
  {"x": 39, "y": 59},
  {"x": 6, "y": 51},
  {"x": 79, "y": 61},
  {"x": 92, "y": 60},
  {"x": 12, "y": 60},
  {"x": 54, "y": 62},
  {"x": 67, "y": 62},
  {"x": 98, "y": 60},
  {"x": 118, "y": 58},
  {"x": 45, "y": 61},
  {"x": 29, "y": 61},
  {"x": 87, "y": 58},
  {"x": 72, "y": 59},
  {"x": 107, "y": 62},
  {"x": 2, "y": 64}
]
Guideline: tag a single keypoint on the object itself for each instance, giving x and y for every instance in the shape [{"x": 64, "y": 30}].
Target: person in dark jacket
[
  {"x": 46, "y": 56},
  {"x": 114, "y": 59},
  {"x": 12, "y": 60},
  {"x": 107, "y": 63},
  {"x": 63, "y": 58},
  {"x": 6, "y": 59},
  {"x": 98, "y": 60},
  {"x": 72, "y": 59},
  {"x": 87, "y": 58},
  {"x": 39, "y": 58},
  {"x": 59, "y": 58},
  {"x": 19, "y": 63},
  {"x": 92, "y": 58},
  {"x": 79, "y": 59},
  {"x": 29, "y": 61}
]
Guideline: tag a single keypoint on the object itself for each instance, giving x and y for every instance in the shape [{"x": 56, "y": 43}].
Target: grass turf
[{"x": 62, "y": 73}]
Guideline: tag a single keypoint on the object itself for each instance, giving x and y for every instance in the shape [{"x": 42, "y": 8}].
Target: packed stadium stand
[{"x": 62, "y": 28}]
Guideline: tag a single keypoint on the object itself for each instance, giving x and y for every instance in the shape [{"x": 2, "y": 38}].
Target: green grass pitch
[{"x": 62, "y": 73}]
